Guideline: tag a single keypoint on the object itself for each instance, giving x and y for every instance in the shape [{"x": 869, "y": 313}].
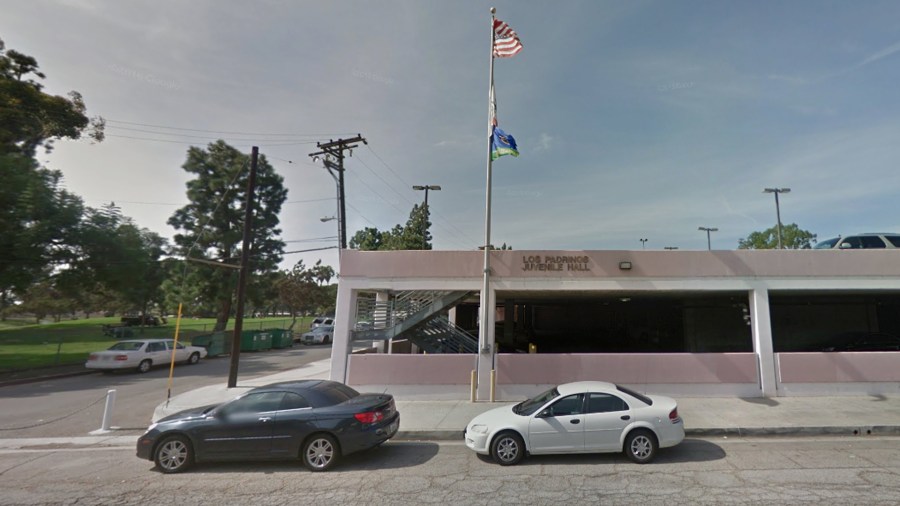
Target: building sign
[{"x": 556, "y": 263}]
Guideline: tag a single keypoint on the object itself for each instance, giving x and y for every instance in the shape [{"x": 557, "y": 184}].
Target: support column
[
  {"x": 379, "y": 320},
  {"x": 486, "y": 352},
  {"x": 345, "y": 311},
  {"x": 761, "y": 326}
]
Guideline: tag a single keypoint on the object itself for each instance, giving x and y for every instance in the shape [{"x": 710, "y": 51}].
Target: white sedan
[
  {"x": 319, "y": 335},
  {"x": 582, "y": 417},
  {"x": 142, "y": 354}
]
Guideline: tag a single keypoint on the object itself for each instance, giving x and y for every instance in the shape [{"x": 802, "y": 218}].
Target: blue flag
[{"x": 502, "y": 144}]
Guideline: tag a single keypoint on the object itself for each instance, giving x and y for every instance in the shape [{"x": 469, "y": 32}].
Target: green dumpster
[
  {"x": 255, "y": 340},
  {"x": 214, "y": 343},
  {"x": 281, "y": 338}
]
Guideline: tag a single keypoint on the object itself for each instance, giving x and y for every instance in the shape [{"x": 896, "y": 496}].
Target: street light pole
[
  {"x": 426, "y": 188},
  {"x": 643, "y": 241},
  {"x": 708, "y": 240},
  {"x": 776, "y": 191}
]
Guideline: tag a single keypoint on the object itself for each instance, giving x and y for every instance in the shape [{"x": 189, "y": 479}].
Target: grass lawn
[{"x": 70, "y": 342}]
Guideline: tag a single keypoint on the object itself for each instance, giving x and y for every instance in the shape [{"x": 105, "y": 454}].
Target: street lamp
[
  {"x": 708, "y": 240},
  {"x": 643, "y": 242},
  {"x": 776, "y": 191},
  {"x": 426, "y": 188},
  {"x": 325, "y": 219}
]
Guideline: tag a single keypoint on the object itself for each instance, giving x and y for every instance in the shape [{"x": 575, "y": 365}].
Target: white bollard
[{"x": 107, "y": 411}]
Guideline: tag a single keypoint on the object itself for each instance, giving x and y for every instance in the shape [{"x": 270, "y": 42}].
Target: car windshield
[
  {"x": 127, "y": 346},
  {"x": 827, "y": 244},
  {"x": 643, "y": 398},
  {"x": 528, "y": 407}
]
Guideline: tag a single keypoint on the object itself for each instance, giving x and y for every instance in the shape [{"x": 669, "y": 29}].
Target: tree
[
  {"x": 37, "y": 215},
  {"x": 30, "y": 118},
  {"x": 212, "y": 224},
  {"x": 303, "y": 289},
  {"x": 414, "y": 236},
  {"x": 112, "y": 252},
  {"x": 38, "y": 222},
  {"x": 792, "y": 237}
]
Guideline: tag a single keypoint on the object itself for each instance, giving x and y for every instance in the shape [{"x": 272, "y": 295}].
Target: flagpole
[{"x": 485, "y": 344}]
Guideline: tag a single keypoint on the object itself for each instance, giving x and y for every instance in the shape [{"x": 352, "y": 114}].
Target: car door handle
[
  {"x": 265, "y": 419},
  {"x": 575, "y": 421},
  {"x": 625, "y": 417}
]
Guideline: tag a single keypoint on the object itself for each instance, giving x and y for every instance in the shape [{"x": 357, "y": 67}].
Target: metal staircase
[
  {"x": 440, "y": 335},
  {"x": 414, "y": 315}
]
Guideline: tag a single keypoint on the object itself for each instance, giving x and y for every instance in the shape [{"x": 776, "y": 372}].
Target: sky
[{"x": 639, "y": 119}]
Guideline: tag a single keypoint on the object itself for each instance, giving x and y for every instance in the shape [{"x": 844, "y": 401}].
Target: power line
[
  {"x": 308, "y": 250},
  {"x": 459, "y": 232},
  {"x": 154, "y": 132},
  {"x": 317, "y": 135}
]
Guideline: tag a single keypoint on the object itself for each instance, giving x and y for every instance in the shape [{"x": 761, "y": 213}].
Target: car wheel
[
  {"x": 640, "y": 446},
  {"x": 144, "y": 366},
  {"x": 320, "y": 452},
  {"x": 326, "y": 340},
  {"x": 174, "y": 454},
  {"x": 194, "y": 358},
  {"x": 508, "y": 449}
]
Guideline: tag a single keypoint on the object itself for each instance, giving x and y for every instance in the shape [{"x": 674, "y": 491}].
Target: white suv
[{"x": 861, "y": 241}]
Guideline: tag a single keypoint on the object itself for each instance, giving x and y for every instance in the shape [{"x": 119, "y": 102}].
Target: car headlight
[{"x": 479, "y": 428}]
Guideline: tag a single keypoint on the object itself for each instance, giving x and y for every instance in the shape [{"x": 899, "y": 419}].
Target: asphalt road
[
  {"x": 81, "y": 399},
  {"x": 699, "y": 471}
]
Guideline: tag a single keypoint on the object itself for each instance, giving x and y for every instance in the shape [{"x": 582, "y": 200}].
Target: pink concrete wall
[
  {"x": 627, "y": 368},
  {"x": 377, "y": 369},
  {"x": 839, "y": 367},
  {"x": 593, "y": 264}
]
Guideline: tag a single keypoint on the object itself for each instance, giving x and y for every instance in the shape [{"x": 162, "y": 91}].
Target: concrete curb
[
  {"x": 35, "y": 379},
  {"x": 875, "y": 430}
]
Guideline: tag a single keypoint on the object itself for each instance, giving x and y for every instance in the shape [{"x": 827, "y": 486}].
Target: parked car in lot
[
  {"x": 582, "y": 417},
  {"x": 317, "y": 421},
  {"x": 319, "y": 335},
  {"x": 861, "y": 241},
  {"x": 320, "y": 321},
  {"x": 864, "y": 341},
  {"x": 143, "y": 354}
]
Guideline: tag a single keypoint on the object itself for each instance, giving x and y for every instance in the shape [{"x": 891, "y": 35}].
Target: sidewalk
[{"x": 703, "y": 416}]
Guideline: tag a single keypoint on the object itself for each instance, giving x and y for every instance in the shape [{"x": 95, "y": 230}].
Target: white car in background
[
  {"x": 582, "y": 417},
  {"x": 142, "y": 354},
  {"x": 322, "y": 334},
  {"x": 861, "y": 241},
  {"x": 321, "y": 321}
]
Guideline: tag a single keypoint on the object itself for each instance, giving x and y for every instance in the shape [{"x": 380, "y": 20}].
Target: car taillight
[
  {"x": 370, "y": 416},
  {"x": 673, "y": 415},
  {"x": 92, "y": 356},
  {"x": 121, "y": 357}
]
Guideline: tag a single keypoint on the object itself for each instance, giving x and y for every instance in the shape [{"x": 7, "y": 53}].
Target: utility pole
[
  {"x": 243, "y": 273},
  {"x": 332, "y": 154}
]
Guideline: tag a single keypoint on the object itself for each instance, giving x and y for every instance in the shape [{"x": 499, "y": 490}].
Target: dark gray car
[{"x": 317, "y": 421}]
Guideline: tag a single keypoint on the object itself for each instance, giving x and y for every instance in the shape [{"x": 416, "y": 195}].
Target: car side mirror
[
  {"x": 547, "y": 413},
  {"x": 845, "y": 245}
]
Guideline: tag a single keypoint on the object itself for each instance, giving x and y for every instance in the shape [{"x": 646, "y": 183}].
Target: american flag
[{"x": 506, "y": 42}]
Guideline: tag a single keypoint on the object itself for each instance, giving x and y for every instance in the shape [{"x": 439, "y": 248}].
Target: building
[{"x": 746, "y": 323}]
